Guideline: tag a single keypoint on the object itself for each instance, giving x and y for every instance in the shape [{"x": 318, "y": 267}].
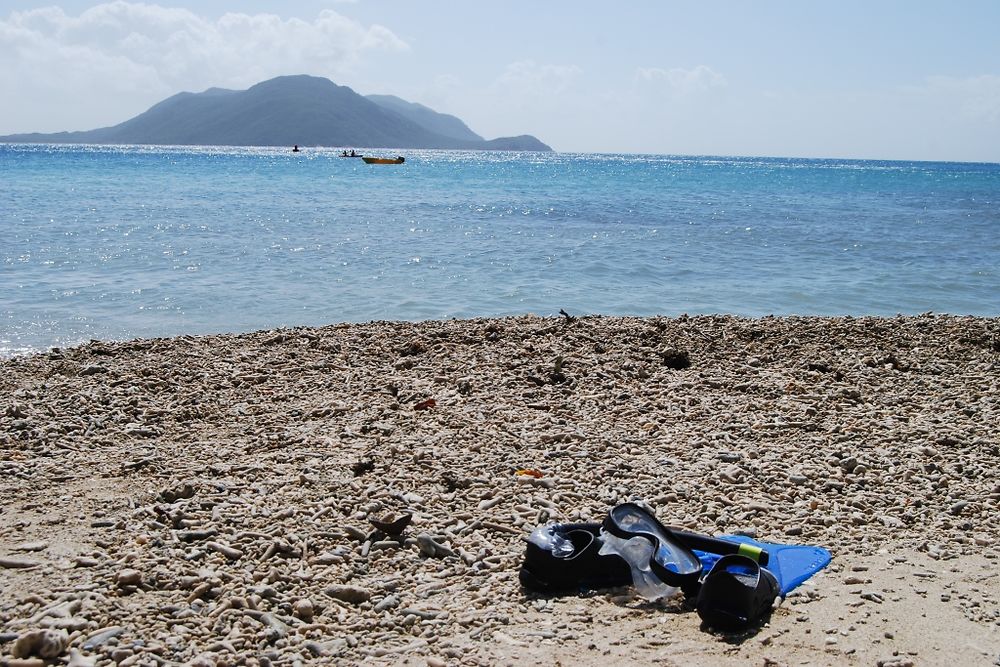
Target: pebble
[
  {"x": 227, "y": 551},
  {"x": 425, "y": 614},
  {"x": 77, "y": 659},
  {"x": 432, "y": 548},
  {"x": 101, "y": 637},
  {"x": 387, "y": 602},
  {"x": 304, "y": 609},
  {"x": 41, "y": 644},
  {"x": 128, "y": 577},
  {"x": 25, "y": 662},
  {"x": 351, "y": 594},
  {"x": 196, "y": 535},
  {"x": 248, "y": 518}
]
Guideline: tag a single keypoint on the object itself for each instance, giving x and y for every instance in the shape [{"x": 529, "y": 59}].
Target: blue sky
[{"x": 886, "y": 79}]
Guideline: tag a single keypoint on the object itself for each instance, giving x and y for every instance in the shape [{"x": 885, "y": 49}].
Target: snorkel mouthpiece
[{"x": 637, "y": 552}]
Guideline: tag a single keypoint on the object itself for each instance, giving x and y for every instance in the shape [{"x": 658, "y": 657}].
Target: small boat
[
  {"x": 385, "y": 160},
  {"x": 351, "y": 154}
]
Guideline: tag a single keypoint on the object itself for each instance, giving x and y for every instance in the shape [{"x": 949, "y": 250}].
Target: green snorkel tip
[{"x": 750, "y": 551}]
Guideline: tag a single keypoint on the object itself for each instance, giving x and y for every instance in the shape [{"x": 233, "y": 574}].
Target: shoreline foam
[{"x": 202, "y": 493}]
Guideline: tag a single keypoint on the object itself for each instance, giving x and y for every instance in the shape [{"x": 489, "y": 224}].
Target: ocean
[{"x": 104, "y": 242}]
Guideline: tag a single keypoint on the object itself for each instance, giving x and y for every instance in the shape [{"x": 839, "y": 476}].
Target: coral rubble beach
[{"x": 207, "y": 500}]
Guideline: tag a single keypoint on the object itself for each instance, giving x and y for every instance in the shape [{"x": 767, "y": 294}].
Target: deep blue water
[{"x": 110, "y": 242}]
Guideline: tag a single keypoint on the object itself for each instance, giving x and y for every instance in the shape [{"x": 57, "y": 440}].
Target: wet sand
[{"x": 206, "y": 500}]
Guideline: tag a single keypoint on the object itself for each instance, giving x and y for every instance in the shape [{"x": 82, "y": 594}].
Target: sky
[{"x": 876, "y": 79}]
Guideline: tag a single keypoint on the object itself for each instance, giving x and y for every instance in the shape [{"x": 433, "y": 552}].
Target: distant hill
[
  {"x": 287, "y": 110},
  {"x": 443, "y": 124}
]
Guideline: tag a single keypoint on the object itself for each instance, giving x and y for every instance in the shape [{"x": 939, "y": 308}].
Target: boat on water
[
  {"x": 385, "y": 160},
  {"x": 351, "y": 154}
]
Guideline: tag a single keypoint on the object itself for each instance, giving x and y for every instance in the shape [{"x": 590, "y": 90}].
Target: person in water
[{"x": 296, "y": 149}]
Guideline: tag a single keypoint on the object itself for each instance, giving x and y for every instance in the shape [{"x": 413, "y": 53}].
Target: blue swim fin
[{"x": 791, "y": 564}]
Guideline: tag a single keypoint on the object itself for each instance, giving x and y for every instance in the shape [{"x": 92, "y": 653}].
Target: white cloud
[
  {"x": 126, "y": 56},
  {"x": 532, "y": 81},
  {"x": 682, "y": 81},
  {"x": 525, "y": 97}
]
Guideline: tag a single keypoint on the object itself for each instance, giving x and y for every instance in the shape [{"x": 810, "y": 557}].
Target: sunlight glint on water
[{"x": 108, "y": 242}]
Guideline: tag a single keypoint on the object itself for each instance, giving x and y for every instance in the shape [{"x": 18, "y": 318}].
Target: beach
[
  {"x": 207, "y": 499},
  {"x": 125, "y": 247}
]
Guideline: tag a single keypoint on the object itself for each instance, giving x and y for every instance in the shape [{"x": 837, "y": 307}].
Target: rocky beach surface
[{"x": 350, "y": 494}]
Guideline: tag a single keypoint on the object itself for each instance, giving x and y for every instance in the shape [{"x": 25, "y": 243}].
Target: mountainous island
[{"x": 288, "y": 110}]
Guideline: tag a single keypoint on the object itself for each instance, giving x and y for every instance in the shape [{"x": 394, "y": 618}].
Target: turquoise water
[{"x": 109, "y": 242}]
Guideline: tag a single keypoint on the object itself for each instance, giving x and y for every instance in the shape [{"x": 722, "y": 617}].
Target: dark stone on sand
[{"x": 675, "y": 359}]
